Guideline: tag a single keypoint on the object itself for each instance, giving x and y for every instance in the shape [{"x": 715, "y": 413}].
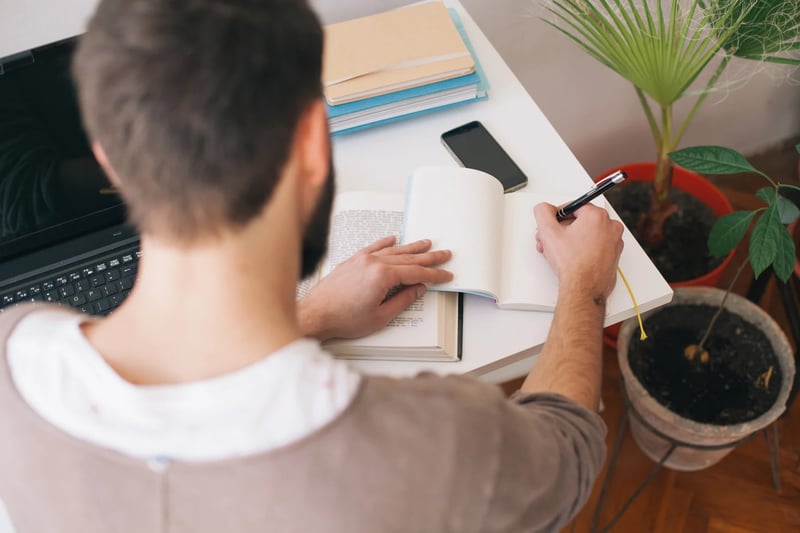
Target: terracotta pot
[
  {"x": 683, "y": 429},
  {"x": 702, "y": 189}
]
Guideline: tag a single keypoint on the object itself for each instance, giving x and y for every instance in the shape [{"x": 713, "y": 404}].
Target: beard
[{"x": 315, "y": 237}]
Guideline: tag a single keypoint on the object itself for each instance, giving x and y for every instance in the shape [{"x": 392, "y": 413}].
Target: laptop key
[
  {"x": 112, "y": 275},
  {"x": 77, "y": 300},
  {"x": 48, "y": 285},
  {"x": 82, "y": 285},
  {"x": 52, "y": 296},
  {"x": 61, "y": 280},
  {"x": 109, "y": 289},
  {"x": 93, "y": 294},
  {"x": 66, "y": 290},
  {"x": 102, "y": 305}
]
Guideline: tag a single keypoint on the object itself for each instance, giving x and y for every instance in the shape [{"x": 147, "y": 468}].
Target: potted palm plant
[
  {"x": 662, "y": 48},
  {"x": 716, "y": 367}
]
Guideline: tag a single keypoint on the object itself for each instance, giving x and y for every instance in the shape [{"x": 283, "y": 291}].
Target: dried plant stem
[{"x": 700, "y": 345}]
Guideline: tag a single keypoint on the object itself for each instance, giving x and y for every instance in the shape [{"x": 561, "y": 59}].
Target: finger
[
  {"x": 380, "y": 244},
  {"x": 545, "y": 215},
  {"x": 434, "y": 258},
  {"x": 410, "y": 248},
  {"x": 590, "y": 210},
  {"x": 415, "y": 274},
  {"x": 400, "y": 301}
]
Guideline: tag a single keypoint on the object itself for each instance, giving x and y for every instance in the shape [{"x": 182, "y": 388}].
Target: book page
[
  {"x": 528, "y": 282},
  {"x": 358, "y": 220},
  {"x": 461, "y": 210}
]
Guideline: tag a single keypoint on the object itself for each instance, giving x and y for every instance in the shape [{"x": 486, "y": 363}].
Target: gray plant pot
[{"x": 688, "y": 431}]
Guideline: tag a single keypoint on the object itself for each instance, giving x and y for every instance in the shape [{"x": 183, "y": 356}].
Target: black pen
[{"x": 597, "y": 189}]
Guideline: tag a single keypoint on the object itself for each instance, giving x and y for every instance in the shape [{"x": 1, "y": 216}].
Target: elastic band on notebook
[{"x": 642, "y": 335}]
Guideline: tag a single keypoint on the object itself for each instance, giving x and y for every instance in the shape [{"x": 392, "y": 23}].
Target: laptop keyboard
[{"x": 95, "y": 287}]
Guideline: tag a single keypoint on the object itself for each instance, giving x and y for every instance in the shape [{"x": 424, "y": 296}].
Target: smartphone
[{"x": 474, "y": 147}]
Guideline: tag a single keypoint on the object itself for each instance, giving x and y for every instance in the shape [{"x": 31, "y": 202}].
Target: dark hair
[{"x": 196, "y": 102}]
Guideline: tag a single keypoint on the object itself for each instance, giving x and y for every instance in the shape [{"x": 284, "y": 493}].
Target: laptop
[{"x": 63, "y": 236}]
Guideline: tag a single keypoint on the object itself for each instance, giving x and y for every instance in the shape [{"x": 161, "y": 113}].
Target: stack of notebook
[{"x": 398, "y": 64}]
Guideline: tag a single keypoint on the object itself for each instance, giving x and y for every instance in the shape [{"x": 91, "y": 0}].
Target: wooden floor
[{"x": 736, "y": 495}]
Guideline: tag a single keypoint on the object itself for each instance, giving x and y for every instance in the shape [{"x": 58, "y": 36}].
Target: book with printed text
[{"x": 430, "y": 329}]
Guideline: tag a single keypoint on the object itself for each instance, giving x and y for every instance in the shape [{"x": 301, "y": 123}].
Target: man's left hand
[{"x": 352, "y": 300}]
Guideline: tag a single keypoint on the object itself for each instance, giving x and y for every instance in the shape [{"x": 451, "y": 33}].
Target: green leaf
[
  {"x": 728, "y": 231},
  {"x": 797, "y": 148},
  {"x": 711, "y": 160},
  {"x": 785, "y": 258},
  {"x": 767, "y": 194},
  {"x": 787, "y": 210},
  {"x": 659, "y": 52},
  {"x": 765, "y": 240},
  {"x": 766, "y": 30}
]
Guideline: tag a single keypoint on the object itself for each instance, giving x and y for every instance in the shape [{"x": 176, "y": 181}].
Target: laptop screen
[{"x": 51, "y": 187}]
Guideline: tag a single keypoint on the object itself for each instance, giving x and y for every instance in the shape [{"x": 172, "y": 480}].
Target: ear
[
  {"x": 313, "y": 145},
  {"x": 102, "y": 159}
]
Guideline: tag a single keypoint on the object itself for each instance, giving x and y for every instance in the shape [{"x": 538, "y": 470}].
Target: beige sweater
[{"x": 427, "y": 454}]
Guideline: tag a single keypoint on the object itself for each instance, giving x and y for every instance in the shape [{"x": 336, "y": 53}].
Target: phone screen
[{"x": 474, "y": 147}]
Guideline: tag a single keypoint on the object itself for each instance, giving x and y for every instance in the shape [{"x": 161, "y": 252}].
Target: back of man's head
[{"x": 195, "y": 103}]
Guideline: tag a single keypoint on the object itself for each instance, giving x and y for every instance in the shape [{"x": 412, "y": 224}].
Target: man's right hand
[{"x": 582, "y": 251}]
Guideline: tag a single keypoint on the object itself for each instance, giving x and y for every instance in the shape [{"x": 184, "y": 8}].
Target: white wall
[{"x": 595, "y": 112}]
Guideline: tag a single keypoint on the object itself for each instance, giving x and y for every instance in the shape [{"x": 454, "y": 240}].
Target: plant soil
[
  {"x": 683, "y": 255},
  {"x": 729, "y": 389}
]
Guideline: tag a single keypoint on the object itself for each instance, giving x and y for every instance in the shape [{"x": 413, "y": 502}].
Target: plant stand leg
[
  {"x": 773, "y": 449},
  {"x": 758, "y": 286},
  {"x": 790, "y": 306},
  {"x": 639, "y": 489},
  {"x": 612, "y": 463}
]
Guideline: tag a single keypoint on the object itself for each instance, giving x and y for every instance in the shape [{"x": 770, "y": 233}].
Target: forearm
[
  {"x": 571, "y": 363},
  {"x": 311, "y": 321}
]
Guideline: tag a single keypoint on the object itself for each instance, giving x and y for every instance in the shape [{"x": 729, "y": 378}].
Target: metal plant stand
[
  {"x": 674, "y": 444},
  {"x": 789, "y": 294}
]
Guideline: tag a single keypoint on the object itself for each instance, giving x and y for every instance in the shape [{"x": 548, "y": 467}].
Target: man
[{"x": 202, "y": 403}]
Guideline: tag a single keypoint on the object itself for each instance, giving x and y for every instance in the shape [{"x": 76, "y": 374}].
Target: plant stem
[
  {"x": 651, "y": 119},
  {"x": 700, "y": 347},
  {"x": 700, "y": 99}
]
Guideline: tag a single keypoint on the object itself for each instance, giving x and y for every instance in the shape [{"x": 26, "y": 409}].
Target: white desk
[{"x": 498, "y": 345}]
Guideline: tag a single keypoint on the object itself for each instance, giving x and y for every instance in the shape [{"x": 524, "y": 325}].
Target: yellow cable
[{"x": 642, "y": 335}]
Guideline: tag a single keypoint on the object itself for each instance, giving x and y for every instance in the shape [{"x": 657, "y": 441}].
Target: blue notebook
[{"x": 386, "y": 108}]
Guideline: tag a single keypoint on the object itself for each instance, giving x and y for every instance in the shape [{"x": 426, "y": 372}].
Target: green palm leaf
[
  {"x": 768, "y": 32},
  {"x": 659, "y": 51}
]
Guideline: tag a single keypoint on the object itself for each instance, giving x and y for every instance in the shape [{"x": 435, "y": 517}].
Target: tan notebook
[{"x": 391, "y": 51}]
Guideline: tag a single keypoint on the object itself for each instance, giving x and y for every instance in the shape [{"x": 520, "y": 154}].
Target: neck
[{"x": 203, "y": 311}]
